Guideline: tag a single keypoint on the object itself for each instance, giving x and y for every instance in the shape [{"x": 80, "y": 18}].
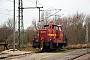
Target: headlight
[{"x": 50, "y": 39}]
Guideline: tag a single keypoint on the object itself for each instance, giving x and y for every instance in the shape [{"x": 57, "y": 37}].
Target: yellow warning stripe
[{"x": 51, "y": 34}]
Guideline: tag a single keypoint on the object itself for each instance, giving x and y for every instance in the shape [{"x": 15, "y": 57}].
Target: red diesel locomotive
[{"x": 50, "y": 37}]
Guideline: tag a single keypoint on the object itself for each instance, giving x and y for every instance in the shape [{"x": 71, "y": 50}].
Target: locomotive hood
[{"x": 42, "y": 34}]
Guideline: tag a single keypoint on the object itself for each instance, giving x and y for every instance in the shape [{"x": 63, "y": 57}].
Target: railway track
[
  {"x": 15, "y": 55},
  {"x": 71, "y": 55},
  {"x": 79, "y": 57}
]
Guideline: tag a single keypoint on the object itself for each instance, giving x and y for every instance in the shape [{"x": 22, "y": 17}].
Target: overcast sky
[{"x": 67, "y": 6}]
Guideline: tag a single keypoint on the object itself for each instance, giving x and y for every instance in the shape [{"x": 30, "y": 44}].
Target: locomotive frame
[{"x": 50, "y": 37}]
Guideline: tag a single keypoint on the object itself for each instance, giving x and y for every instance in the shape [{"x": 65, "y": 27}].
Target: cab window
[
  {"x": 55, "y": 27},
  {"x": 46, "y": 26}
]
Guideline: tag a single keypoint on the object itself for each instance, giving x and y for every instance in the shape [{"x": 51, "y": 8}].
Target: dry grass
[
  {"x": 1, "y": 48},
  {"x": 28, "y": 47},
  {"x": 78, "y": 46}
]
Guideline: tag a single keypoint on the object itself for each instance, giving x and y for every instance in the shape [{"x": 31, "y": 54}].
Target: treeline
[
  {"x": 6, "y": 29},
  {"x": 74, "y": 27}
]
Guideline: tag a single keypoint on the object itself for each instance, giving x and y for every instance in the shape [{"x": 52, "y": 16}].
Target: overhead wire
[
  {"x": 6, "y": 10},
  {"x": 29, "y": 0},
  {"x": 32, "y": 2},
  {"x": 15, "y": 2},
  {"x": 52, "y": 15},
  {"x": 51, "y": 8},
  {"x": 48, "y": 7},
  {"x": 6, "y": 14}
]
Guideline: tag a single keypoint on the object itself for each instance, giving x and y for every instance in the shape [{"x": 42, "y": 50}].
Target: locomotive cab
[{"x": 50, "y": 37}]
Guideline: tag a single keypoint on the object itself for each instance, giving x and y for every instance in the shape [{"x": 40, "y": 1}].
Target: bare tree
[
  {"x": 73, "y": 27},
  {"x": 29, "y": 35},
  {"x": 5, "y": 32},
  {"x": 6, "y": 29},
  {"x": 9, "y": 23}
]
